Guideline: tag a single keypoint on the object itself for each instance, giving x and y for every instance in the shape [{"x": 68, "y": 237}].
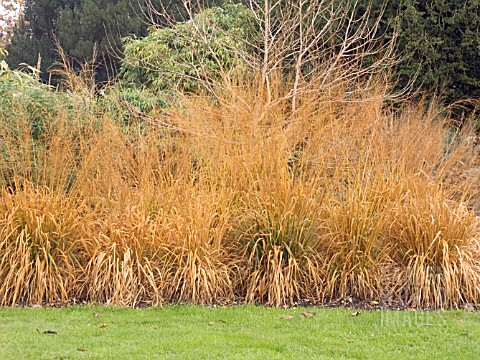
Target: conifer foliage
[
  {"x": 440, "y": 43},
  {"x": 81, "y": 27}
]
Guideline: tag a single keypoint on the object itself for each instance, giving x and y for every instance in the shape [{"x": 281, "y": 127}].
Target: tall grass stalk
[{"x": 240, "y": 199}]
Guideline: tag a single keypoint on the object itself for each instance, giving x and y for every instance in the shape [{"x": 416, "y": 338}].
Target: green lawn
[{"x": 188, "y": 332}]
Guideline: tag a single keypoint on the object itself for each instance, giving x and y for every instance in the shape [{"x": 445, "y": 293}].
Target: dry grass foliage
[
  {"x": 243, "y": 200},
  {"x": 41, "y": 247}
]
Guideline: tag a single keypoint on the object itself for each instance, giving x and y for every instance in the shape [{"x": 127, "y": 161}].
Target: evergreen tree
[
  {"x": 99, "y": 25},
  {"x": 440, "y": 41},
  {"x": 79, "y": 26},
  {"x": 443, "y": 36}
]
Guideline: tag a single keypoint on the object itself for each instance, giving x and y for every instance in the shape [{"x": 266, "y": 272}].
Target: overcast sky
[{"x": 9, "y": 11}]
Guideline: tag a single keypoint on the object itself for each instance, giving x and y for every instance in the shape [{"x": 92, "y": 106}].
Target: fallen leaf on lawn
[
  {"x": 81, "y": 350},
  {"x": 287, "y": 317},
  {"x": 307, "y": 314},
  {"x": 96, "y": 314},
  {"x": 222, "y": 321},
  {"x": 103, "y": 326},
  {"x": 211, "y": 323},
  {"x": 50, "y": 332},
  {"x": 356, "y": 313},
  {"x": 374, "y": 302}
]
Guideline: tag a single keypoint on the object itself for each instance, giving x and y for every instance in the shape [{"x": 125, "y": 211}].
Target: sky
[{"x": 9, "y": 12}]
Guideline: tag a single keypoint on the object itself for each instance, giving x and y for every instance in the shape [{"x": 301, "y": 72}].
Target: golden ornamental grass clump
[{"x": 241, "y": 199}]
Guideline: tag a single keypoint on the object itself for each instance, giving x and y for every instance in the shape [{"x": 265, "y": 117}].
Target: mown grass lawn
[{"x": 190, "y": 332}]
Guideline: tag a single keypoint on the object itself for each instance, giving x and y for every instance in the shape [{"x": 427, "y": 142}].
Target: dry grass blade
[
  {"x": 246, "y": 200},
  {"x": 436, "y": 242},
  {"x": 39, "y": 251}
]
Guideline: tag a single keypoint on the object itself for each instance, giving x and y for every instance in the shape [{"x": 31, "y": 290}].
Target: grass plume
[{"x": 240, "y": 199}]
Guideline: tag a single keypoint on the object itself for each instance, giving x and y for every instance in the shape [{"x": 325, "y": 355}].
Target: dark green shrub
[{"x": 189, "y": 54}]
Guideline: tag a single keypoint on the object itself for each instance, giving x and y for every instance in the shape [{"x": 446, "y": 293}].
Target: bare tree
[
  {"x": 321, "y": 42},
  {"x": 313, "y": 44}
]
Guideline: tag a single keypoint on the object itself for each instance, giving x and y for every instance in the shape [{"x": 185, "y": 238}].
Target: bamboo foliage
[
  {"x": 345, "y": 202},
  {"x": 254, "y": 195}
]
